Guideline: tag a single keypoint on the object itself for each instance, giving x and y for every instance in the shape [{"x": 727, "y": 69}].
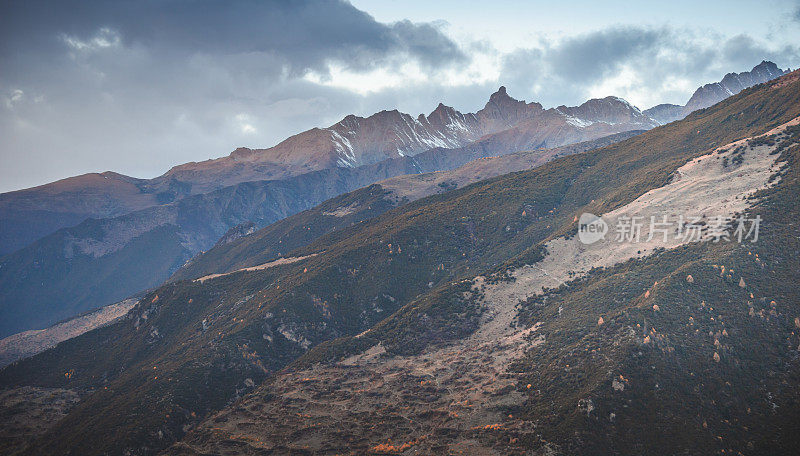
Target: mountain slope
[
  {"x": 665, "y": 113},
  {"x": 351, "y": 208},
  {"x": 29, "y": 343},
  {"x": 28, "y": 215},
  {"x": 99, "y": 262},
  {"x": 731, "y": 84},
  {"x": 190, "y": 348},
  {"x": 103, "y": 261},
  {"x": 357, "y": 141}
]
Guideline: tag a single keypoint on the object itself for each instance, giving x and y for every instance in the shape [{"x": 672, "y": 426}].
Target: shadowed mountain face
[
  {"x": 665, "y": 113},
  {"x": 28, "y": 215},
  {"x": 341, "y": 212},
  {"x": 433, "y": 327}
]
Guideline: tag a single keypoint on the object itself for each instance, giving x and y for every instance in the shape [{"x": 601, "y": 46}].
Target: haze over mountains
[
  {"x": 357, "y": 141},
  {"x": 32, "y": 213},
  {"x": 470, "y": 320}
]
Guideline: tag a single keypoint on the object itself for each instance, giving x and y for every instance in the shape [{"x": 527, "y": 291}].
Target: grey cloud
[
  {"x": 743, "y": 49},
  {"x": 302, "y": 34},
  {"x": 596, "y": 54},
  {"x": 562, "y": 72},
  {"x": 427, "y": 43}
]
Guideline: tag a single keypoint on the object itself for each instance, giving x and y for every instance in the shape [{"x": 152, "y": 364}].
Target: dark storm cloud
[
  {"x": 427, "y": 43},
  {"x": 302, "y": 35}
]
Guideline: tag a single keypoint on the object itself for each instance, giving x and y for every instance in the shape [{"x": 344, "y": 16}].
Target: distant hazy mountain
[
  {"x": 731, "y": 84},
  {"x": 711, "y": 94},
  {"x": 357, "y": 141},
  {"x": 27, "y": 215},
  {"x": 665, "y": 113}
]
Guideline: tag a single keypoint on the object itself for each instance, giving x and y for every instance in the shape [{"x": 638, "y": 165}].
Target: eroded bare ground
[
  {"x": 27, "y": 412},
  {"x": 448, "y": 400},
  {"x": 29, "y": 343}
]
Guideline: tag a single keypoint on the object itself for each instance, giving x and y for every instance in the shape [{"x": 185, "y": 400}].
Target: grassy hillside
[
  {"x": 290, "y": 233},
  {"x": 190, "y": 348},
  {"x": 697, "y": 354},
  {"x": 740, "y": 305},
  {"x": 101, "y": 261}
]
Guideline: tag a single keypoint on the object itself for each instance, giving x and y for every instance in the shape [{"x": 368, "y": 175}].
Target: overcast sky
[{"x": 137, "y": 87}]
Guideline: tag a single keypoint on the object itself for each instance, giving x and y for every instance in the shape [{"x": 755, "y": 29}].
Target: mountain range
[
  {"x": 468, "y": 316},
  {"x": 106, "y": 259},
  {"x": 354, "y": 141},
  {"x": 97, "y": 239}
]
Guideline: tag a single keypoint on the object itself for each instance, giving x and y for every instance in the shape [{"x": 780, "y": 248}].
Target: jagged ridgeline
[{"x": 191, "y": 348}]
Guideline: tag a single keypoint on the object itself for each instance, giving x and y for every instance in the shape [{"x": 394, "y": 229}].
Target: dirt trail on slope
[{"x": 448, "y": 400}]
